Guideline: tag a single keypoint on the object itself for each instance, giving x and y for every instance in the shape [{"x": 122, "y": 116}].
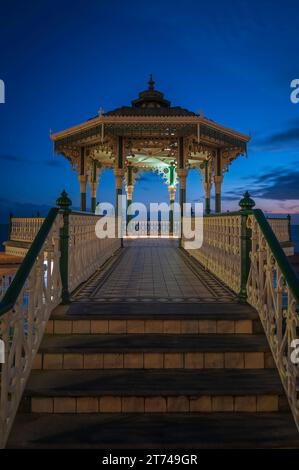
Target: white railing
[
  {"x": 270, "y": 293},
  {"x": 220, "y": 251},
  {"x": 24, "y": 229},
  {"x": 271, "y": 285},
  {"x": 36, "y": 290},
  {"x": 86, "y": 252},
  {"x": 22, "y": 325}
]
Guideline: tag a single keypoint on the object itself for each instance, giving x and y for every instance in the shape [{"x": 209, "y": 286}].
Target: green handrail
[
  {"x": 278, "y": 253},
  {"x": 18, "y": 282}
]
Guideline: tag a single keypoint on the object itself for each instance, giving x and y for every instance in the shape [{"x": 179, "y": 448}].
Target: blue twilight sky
[{"x": 63, "y": 60}]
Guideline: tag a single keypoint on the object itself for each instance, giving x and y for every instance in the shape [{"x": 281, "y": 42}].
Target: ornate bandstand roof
[
  {"x": 150, "y": 103},
  {"x": 151, "y": 129}
]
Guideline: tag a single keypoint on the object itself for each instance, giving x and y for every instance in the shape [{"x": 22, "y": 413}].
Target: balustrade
[
  {"x": 281, "y": 228},
  {"x": 24, "y": 313},
  {"x": 24, "y": 229},
  {"x": 86, "y": 252},
  {"x": 239, "y": 248},
  {"x": 273, "y": 290},
  {"x": 221, "y": 250},
  {"x": 38, "y": 288}
]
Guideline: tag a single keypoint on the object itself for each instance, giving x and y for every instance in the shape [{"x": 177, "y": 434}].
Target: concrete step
[
  {"x": 157, "y": 325},
  {"x": 230, "y": 351},
  {"x": 153, "y": 317},
  {"x": 176, "y": 430},
  {"x": 154, "y": 391}
]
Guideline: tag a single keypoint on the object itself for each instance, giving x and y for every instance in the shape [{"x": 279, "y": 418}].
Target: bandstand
[{"x": 150, "y": 135}]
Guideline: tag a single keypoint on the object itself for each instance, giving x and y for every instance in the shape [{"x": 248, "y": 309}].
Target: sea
[
  {"x": 295, "y": 236},
  {"x": 3, "y": 235}
]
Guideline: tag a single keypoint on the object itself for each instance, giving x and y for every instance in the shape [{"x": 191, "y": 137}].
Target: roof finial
[{"x": 151, "y": 82}]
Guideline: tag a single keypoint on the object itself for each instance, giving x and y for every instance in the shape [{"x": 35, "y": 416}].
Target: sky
[{"x": 62, "y": 61}]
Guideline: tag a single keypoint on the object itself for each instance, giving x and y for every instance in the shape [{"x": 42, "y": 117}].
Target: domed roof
[
  {"x": 150, "y": 102},
  {"x": 151, "y": 98}
]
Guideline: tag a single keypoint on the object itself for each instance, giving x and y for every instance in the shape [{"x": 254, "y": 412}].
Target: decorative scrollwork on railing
[
  {"x": 86, "y": 252},
  {"x": 22, "y": 326},
  {"x": 269, "y": 292},
  {"x": 220, "y": 251}
]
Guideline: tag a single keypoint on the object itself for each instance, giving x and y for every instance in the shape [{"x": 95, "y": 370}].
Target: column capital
[
  {"x": 83, "y": 181},
  {"x": 119, "y": 174},
  {"x": 129, "y": 191},
  {"x": 182, "y": 174},
  {"x": 171, "y": 190},
  {"x": 83, "y": 178},
  {"x": 218, "y": 182},
  {"x": 93, "y": 188},
  {"x": 207, "y": 188},
  {"x": 218, "y": 179}
]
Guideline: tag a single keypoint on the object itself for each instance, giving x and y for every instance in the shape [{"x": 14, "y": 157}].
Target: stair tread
[
  {"x": 157, "y": 310},
  {"x": 197, "y": 430},
  {"x": 153, "y": 382},
  {"x": 89, "y": 343}
]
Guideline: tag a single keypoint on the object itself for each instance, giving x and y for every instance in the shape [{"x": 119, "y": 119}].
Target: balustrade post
[
  {"x": 246, "y": 204},
  {"x": 64, "y": 203}
]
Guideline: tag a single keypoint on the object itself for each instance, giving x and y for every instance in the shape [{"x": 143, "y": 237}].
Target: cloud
[
  {"x": 11, "y": 158},
  {"x": 281, "y": 185},
  {"x": 275, "y": 191},
  {"x": 53, "y": 163},
  {"x": 281, "y": 139},
  {"x": 20, "y": 159},
  {"x": 289, "y": 135}
]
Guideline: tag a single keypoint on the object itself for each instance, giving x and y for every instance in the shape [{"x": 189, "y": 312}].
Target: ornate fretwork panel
[
  {"x": 220, "y": 252},
  {"x": 24, "y": 229},
  {"x": 86, "y": 251},
  {"x": 22, "y": 327},
  {"x": 269, "y": 293}
]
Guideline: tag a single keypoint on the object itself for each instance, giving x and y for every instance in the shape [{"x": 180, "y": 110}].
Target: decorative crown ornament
[
  {"x": 64, "y": 202},
  {"x": 246, "y": 203}
]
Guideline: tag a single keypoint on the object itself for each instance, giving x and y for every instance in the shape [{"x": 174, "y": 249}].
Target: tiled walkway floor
[{"x": 155, "y": 269}]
